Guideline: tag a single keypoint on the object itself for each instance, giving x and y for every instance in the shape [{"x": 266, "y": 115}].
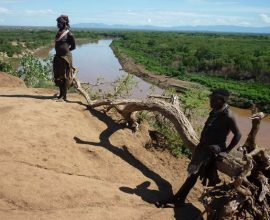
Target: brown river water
[{"x": 97, "y": 60}]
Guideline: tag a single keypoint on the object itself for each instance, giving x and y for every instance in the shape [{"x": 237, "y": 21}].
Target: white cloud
[
  {"x": 178, "y": 18},
  {"x": 40, "y": 12},
  {"x": 4, "y": 11},
  {"x": 265, "y": 18}
]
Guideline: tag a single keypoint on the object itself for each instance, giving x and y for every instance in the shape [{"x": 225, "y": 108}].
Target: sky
[{"x": 165, "y": 13}]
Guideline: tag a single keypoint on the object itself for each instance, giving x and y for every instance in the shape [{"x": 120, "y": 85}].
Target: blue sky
[{"x": 137, "y": 12}]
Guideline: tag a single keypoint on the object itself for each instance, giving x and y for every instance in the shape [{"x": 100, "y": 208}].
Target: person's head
[
  {"x": 62, "y": 22},
  {"x": 218, "y": 98}
]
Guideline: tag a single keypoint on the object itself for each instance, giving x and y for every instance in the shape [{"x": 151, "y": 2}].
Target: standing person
[
  {"x": 62, "y": 62},
  {"x": 212, "y": 144}
]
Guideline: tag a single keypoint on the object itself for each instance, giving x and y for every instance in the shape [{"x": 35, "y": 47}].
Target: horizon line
[{"x": 139, "y": 25}]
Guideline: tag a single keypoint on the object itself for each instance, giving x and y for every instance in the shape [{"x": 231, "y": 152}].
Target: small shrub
[
  {"x": 5, "y": 67},
  {"x": 34, "y": 71}
]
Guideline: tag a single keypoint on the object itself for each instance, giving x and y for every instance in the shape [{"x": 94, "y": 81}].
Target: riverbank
[
  {"x": 162, "y": 81},
  {"x": 243, "y": 93}
]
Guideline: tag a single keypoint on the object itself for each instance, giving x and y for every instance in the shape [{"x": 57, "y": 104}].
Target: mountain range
[{"x": 216, "y": 28}]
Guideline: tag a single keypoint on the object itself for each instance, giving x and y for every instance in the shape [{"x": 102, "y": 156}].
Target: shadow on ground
[
  {"x": 188, "y": 212},
  {"x": 29, "y": 96},
  {"x": 42, "y": 97}
]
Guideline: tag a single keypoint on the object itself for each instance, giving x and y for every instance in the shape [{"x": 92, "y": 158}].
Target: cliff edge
[{"x": 60, "y": 160}]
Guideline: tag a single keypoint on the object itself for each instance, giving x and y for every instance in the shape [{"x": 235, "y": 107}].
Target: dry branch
[
  {"x": 79, "y": 87},
  {"x": 171, "y": 112}
]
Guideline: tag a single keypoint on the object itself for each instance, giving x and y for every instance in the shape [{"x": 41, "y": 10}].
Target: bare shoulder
[
  {"x": 230, "y": 113},
  {"x": 230, "y": 116}
]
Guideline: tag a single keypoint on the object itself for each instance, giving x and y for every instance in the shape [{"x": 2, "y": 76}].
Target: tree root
[{"x": 248, "y": 196}]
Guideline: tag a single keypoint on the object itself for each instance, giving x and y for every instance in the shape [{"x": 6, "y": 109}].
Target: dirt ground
[
  {"x": 60, "y": 160},
  {"x": 7, "y": 80}
]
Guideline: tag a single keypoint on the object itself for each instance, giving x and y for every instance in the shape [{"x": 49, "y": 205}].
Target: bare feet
[{"x": 61, "y": 99}]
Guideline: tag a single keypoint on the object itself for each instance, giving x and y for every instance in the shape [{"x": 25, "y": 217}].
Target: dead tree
[{"x": 249, "y": 191}]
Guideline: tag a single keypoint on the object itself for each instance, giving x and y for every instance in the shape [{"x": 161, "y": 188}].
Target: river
[{"x": 97, "y": 60}]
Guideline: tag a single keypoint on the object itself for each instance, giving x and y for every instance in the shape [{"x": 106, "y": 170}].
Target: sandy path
[{"x": 60, "y": 161}]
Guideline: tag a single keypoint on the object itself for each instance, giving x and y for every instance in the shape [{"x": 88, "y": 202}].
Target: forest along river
[{"x": 97, "y": 60}]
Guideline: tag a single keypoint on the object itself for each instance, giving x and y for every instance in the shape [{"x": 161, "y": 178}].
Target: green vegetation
[
  {"x": 36, "y": 72},
  {"x": 215, "y": 60},
  {"x": 166, "y": 137},
  {"x": 5, "y": 67},
  {"x": 121, "y": 87},
  {"x": 173, "y": 54},
  {"x": 239, "y": 63},
  {"x": 171, "y": 139},
  {"x": 16, "y": 41},
  {"x": 193, "y": 103},
  {"x": 244, "y": 93}
]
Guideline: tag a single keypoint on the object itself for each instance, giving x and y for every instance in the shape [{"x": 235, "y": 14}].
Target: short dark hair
[{"x": 224, "y": 94}]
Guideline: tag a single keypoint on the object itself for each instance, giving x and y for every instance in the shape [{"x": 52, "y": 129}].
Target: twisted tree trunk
[
  {"x": 229, "y": 165},
  {"x": 170, "y": 111},
  {"x": 126, "y": 108}
]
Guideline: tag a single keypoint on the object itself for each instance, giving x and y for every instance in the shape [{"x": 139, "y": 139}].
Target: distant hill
[{"x": 217, "y": 28}]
